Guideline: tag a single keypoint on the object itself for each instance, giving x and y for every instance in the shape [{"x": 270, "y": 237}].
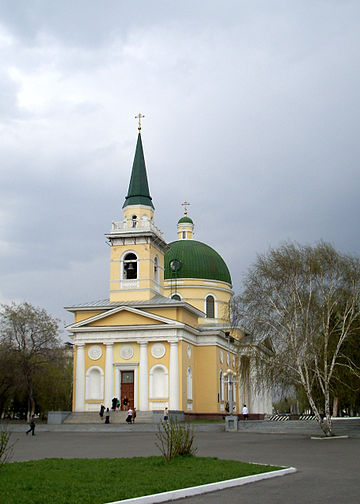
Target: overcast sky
[{"x": 251, "y": 114}]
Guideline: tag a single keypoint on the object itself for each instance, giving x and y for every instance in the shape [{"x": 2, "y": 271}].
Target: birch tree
[{"x": 306, "y": 300}]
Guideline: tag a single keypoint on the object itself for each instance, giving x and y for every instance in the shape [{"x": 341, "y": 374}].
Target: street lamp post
[{"x": 231, "y": 420}]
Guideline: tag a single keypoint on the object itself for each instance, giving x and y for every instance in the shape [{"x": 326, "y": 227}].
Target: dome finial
[
  {"x": 185, "y": 204},
  {"x": 139, "y": 116}
]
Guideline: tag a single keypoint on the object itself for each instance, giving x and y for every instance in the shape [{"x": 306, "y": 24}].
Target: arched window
[
  {"x": 159, "y": 382},
  {"x": 176, "y": 297},
  {"x": 94, "y": 383},
  {"x": 156, "y": 269},
  {"x": 210, "y": 307},
  {"x": 221, "y": 386},
  {"x": 134, "y": 221},
  {"x": 130, "y": 266},
  {"x": 189, "y": 383},
  {"x": 183, "y": 235}
]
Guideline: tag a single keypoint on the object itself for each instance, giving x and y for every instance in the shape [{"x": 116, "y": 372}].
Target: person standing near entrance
[
  {"x": 125, "y": 402},
  {"x": 245, "y": 412},
  {"x": 129, "y": 415},
  {"x": 166, "y": 415}
]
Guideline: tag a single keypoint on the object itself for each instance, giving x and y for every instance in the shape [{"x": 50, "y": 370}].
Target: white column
[
  {"x": 80, "y": 378},
  {"x": 143, "y": 378},
  {"x": 174, "y": 376},
  {"x": 109, "y": 375}
]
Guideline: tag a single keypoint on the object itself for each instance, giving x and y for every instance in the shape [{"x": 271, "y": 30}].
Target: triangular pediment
[{"x": 123, "y": 316}]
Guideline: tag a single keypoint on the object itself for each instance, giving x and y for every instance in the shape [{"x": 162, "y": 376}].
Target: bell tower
[{"x": 137, "y": 246}]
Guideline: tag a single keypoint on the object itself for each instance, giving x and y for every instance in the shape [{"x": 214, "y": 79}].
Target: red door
[{"x": 127, "y": 388}]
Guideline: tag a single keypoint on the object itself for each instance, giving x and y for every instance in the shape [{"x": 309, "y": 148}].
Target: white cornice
[
  {"x": 183, "y": 286},
  {"x": 119, "y": 309}
]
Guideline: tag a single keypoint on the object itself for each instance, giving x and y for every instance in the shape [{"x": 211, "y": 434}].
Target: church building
[{"x": 163, "y": 337}]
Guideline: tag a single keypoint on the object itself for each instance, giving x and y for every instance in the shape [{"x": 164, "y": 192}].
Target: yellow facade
[
  {"x": 195, "y": 292},
  {"x": 145, "y": 286}
]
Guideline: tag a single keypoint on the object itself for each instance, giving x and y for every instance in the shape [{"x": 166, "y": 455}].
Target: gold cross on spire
[
  {"x": 185, "y": 204},
  {"x": 139, "y": 116}
]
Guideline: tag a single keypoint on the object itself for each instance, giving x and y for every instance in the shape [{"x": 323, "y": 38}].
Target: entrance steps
[{"x": 116, "y": 417}]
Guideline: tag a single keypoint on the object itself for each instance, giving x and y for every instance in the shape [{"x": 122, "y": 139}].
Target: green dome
[
  {"x": 197, "y": 261},
  {"x": 185, "y": 219}
]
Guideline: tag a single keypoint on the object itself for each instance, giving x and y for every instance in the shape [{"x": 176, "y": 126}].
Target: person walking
[
  {"x": 101, "y": 412},
  {"x": 245, "y": 412},
  {"x": 32, "y": 428},
  {"x": 134, "y": 415},
  {"x": 107, "y": 416}
]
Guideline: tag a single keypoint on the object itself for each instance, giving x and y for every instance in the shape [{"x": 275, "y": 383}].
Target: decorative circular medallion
[
  {"x": 233, "y": 361},
  {"x": 189, "y": 351},
  {"x": 221, "y": 356},
  {"x": 158, "y": 350},
  {"x": 228, "y": 359},
  {"x": 126, "y": 351},
  {"x": 95, "y": 352}
]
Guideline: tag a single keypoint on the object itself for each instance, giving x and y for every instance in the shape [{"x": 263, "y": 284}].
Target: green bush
[{"x": 174, "y": 439}]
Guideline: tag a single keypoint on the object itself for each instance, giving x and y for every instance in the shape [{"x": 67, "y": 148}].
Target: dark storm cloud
[{"x": 251, "y": 115}]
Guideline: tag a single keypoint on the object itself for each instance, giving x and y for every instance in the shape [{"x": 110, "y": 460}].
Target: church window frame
[
  {"x": 184, "y": 235},
  {"x": 94, "y": 391},
  {"x": 159, "y": 382},
  {"x": 156, "y": 270},
  {"x": 221, "y": 386},
  {"x": 126, "y": 261},
  {"x": 210, "y": 307},
  {"x": 134, "y": 221},
  {"x": 189, "y": 384}
]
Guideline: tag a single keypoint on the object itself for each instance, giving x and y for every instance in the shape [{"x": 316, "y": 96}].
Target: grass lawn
[{"x": 96, "y": 481}]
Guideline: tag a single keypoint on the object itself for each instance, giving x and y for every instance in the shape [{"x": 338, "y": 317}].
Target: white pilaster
[
  {"x": 109, "y": 375},
  {"x": 143, "y": 378},
  {"x": 174, "y": 376},
  {"x": 80, "y": 378}
]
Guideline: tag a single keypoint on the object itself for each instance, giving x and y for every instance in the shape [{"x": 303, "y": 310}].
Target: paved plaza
[{"x": 328, "y": 470}]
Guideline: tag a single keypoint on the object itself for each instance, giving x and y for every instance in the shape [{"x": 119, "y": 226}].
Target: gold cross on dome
[
  {"x": 139, "y": 116},
  {"x": 185, "y": 204}
]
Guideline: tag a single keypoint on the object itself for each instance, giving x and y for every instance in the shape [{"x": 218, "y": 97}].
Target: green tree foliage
[
  {"x": 345, "y": 383},
  {"x": 7, "y": 381},
  {"x": 35, "y": 361},
  {"x": 55, "y": 392},
  {"x": 307, "y": 300}
]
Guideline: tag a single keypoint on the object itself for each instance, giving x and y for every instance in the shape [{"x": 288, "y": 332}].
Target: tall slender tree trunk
[
  {"x": 335, "y": 406},
  {"x": 325, "y": 425},
  {"x": 31, "y": 402}
]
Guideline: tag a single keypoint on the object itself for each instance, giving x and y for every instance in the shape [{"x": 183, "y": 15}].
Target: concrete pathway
[{"x": 328, "y": 470}]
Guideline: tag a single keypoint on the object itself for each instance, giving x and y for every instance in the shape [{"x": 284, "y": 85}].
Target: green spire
[{"x": 138, "y": 192}]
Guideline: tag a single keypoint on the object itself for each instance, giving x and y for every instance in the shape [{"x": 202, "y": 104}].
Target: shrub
[
  {"x": 174, "y": 439},
  {"x": 6, "y": 448}
]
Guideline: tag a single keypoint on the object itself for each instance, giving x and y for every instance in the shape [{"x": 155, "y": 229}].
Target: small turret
[{"x": 185, "y": 225}]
